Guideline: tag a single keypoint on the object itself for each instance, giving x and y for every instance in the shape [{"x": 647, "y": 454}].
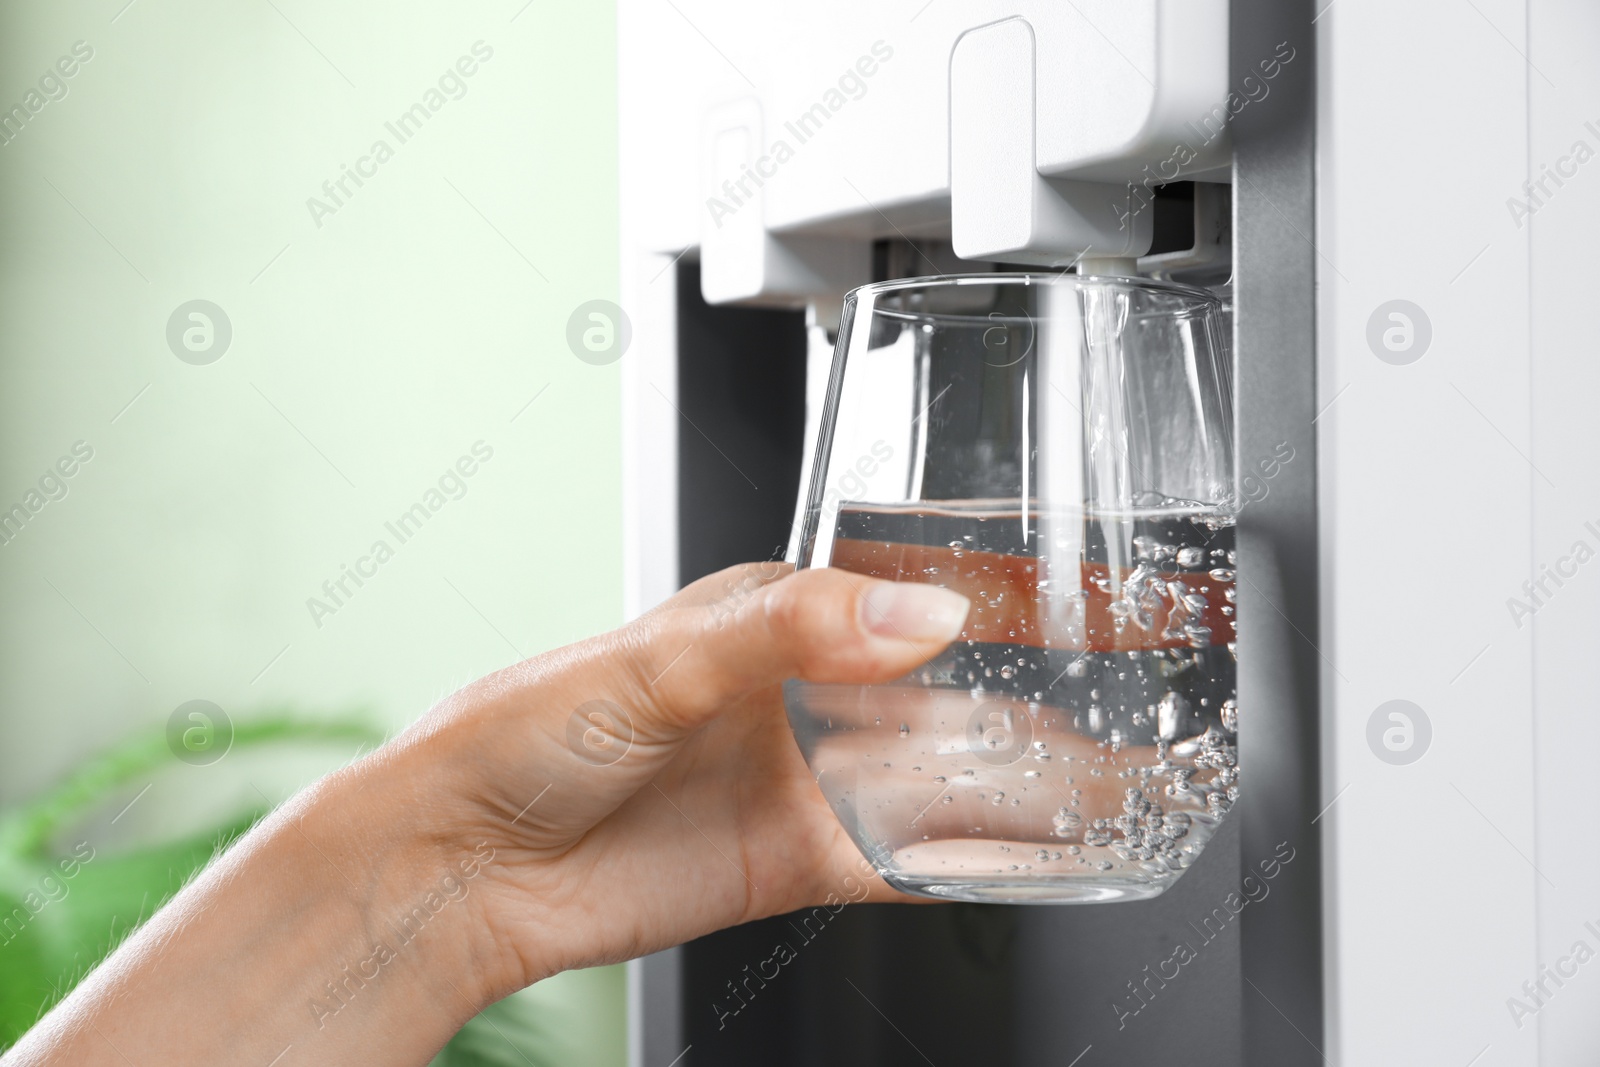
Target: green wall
[{"x": 372, "y": 346}]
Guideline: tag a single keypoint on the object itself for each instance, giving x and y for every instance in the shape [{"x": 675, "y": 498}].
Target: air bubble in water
[
  {"x": 1230, "y": 715},
  {"x": 1162, "y": 673},
  {"x": 1171, "y": 714}
]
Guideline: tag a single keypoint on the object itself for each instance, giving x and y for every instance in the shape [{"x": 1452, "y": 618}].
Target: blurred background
[{"x": 226, "y": 366}]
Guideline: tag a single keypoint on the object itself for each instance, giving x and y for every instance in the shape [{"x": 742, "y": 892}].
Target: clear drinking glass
[{"x": 1060, "y": 450}]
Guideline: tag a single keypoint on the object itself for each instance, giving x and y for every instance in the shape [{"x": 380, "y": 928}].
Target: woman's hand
[
  {"x": 643, "y": 788},
  {"x": 589, "y": 805}
]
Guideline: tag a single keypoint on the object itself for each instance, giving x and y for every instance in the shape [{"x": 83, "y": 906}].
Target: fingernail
[{"x": 913, "y": 611}]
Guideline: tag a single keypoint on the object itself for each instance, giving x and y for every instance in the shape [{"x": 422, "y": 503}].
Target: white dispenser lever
[{"x": 1001, "y": 206}]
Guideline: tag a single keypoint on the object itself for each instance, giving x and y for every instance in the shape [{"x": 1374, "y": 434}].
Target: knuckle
[
  {"x": 724, "y": 595},
  {"x": 784, "y": 609},
  {"x": 634, "y": 660},
  {"x": 810, "y": 615},
  {"x": 628, "y": 653}
]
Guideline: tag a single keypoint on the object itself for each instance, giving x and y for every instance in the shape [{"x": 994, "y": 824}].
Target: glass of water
[{"x": 1059, "y": 449}]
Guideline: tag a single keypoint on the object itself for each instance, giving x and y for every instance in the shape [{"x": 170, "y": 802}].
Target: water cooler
[{"x": 1394, "y": 199}]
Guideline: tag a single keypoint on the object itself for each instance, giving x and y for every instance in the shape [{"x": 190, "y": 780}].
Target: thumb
[{"x": 818, "y": 625}]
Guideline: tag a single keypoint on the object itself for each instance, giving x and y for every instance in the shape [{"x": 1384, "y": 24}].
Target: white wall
[
  {"x": 1427, "y": 492},
  {"x": 1565, "y": 441}
]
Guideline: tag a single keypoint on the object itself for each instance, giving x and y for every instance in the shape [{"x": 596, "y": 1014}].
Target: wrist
[
  {"x": 438, "y": 859},
  {"x": 412, "y": 878}
]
